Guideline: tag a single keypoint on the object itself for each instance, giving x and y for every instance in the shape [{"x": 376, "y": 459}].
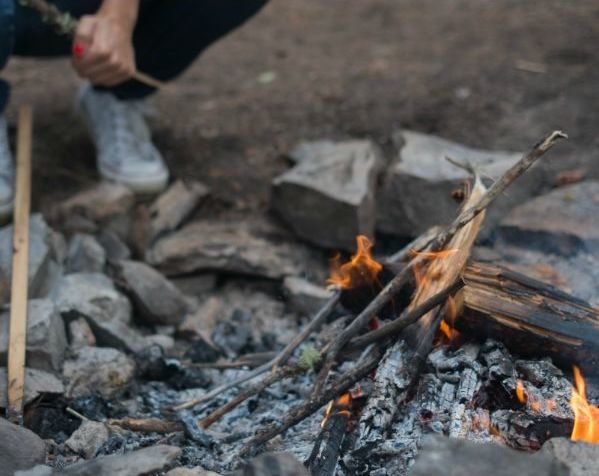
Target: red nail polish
[{"x": 78, "y": 50}]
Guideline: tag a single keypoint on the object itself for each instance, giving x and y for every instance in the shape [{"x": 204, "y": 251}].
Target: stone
[
  {"x": 99, "y": 204},
  {"x": 157, "y": 301},
  {"x": 416, "y": 191},
  {"x": 329, "y": 198},
  {"x": 46, "y": 336},
  {"x": 312, "y": 150},
  {"x": 37, "y": 382},
  {"x": 115, "y": 248},
  {"x": 305, "y": 297},
  {"x": 98, "y": 370},
  {"x": 85, "y": 255},
  {"x": 234, "y": 247},
  {"x": 195, "y": 285},
  {"x": 40, "y": 259},
  {"x": 175, "y": 205},
  {"x": 20, "y": 448},
  {"x": 94, "y": 297},
  {"x": 88, "y": 438},
  {"x": 441, "y": 456},
  {"x": 39, "y": 470},
  {"x": 560, "y": 221},
  {"x": 273, "y": 464},
  {"x": 580, "y": 457},
  {"x": 197, "y": 471},
  {"x": 136, "y": 463},
  {"x": 81, "y": 334}
]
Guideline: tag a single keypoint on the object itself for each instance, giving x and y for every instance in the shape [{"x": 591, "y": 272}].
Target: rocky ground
[{"x": 302, "y": 130}]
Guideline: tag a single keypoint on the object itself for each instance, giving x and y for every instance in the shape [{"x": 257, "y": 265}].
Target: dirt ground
[{"x": 486, "y": 72}]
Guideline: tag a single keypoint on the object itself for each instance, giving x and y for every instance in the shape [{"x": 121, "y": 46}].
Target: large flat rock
[
  {"x": 580, "y": 457},
  {"x": 416, "y": 192},
  {"x": 233, "y": 247},
  {"x": 565, "y": 220},
  {"x": 441, "y": 456},
  {"x": 20, "y": 448},
  {"x": 329, "y": 197},
  {"x": 37, "y": 382},
  {"x": 46, "y": 336}
]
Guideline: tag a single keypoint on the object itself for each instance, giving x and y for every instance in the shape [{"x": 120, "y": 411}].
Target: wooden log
[
  {"x": 20, "y": 267},
  {"x": 530, "y": 317}
]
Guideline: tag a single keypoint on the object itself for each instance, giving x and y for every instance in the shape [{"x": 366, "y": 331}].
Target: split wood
[
  {"x": 65, "y": 24},
  {"x": 20, "y": 268}
]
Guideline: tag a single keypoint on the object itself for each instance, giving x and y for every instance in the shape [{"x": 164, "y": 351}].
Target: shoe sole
[
  {"x": 6, "y": 211},
  {"x": 140, "y": 186}
]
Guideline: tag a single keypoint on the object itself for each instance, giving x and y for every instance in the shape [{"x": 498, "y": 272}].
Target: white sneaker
[
  {"x": 7, "y": 173},
  {"x": 123, "y": 141}
]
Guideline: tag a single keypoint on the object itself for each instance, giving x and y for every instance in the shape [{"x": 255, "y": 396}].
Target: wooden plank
[
  {"x": 20, "y": 266},
  {"x": 529, "y": 316}
]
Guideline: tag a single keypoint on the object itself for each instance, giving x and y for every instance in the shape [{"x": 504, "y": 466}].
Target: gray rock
[
  {"x": 39, "y": 470},
  {"x": 88, "y": 438},
  {"x": 303, "y": 296},
  {"x": 156, "y": 299},
  {"x": 416, "y": 192},
  {"x": 273, "y": 464},
  {"x": 85, "y": 255},
  {"x": 197, "y": 471},
  {"x": 580, "y": 457},
  {"x": 37, "y": 382},
  {"x": 314, "y": 150},
  {"x": 329, "y": 198},
  {"x": 195, "y": 284},
  {"x": 136, "y": 463},
  {"x": 40, "y": 258},
  {"x": 171, "y": 208},
  {"x": 226, "y": 247},
  {"x": 100, "y": 204},
  {"x": 19, "y": 448},
  {"x": 98, "y": 370},
  {"x": 115, "y": 248},
  {"x": 81, "y": 334},
  {"x": 46, "y": 336},
  {"x": 562, "y": 221},
  {"x": 94, "y": 297},
  {"x": 441, "y": 456}
]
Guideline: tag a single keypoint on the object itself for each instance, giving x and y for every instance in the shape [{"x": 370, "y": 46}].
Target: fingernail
[{"x": 78, "y": 50}]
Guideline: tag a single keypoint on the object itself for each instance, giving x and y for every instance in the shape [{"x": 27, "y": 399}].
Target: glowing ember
[
  {"x": 535, "y": 404},
  {"x": 586, "y": 416},
  {"x": 362, "y": 269},
  {"x": 520, "y": 392},
  {"x": 338, "y": 407}
]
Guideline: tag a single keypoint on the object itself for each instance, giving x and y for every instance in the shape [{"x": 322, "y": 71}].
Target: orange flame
[
  {"x": 586, "y": 416},
  {"x": 361, "y": 269},
  {"x": 520, "y": 392},
  {"x": 338, "y": 407},
  {"x": 537, "y": 405}
]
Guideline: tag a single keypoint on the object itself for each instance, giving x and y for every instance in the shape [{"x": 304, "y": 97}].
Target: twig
[
  {"x": 276, "y": 375},
  {"x": 76, "y": 414},
  {"x": 392, "y": 328},
  {"x": 20, "y": 282},
  {"x": 280, "y": 359},
  {"x": 314, "y": 402},
  {"x": 65, "y": 24},
  {"x": 419, "y": 244},
  {"x": 147, "y": 425}
]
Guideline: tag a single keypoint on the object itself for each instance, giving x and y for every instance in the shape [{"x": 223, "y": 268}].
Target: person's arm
[{"x": 103, "y": 43}]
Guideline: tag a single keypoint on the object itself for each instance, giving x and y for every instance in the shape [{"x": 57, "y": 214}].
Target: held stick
[{"x": 20, "y": 265}]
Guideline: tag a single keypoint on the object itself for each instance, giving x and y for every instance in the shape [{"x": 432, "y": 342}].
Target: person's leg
[{"x": 171, "y": 34}]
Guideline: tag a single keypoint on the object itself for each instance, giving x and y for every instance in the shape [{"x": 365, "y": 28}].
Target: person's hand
[{"x": 103, "y": 50}]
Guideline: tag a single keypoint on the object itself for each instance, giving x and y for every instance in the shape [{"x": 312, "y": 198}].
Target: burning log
[{"x": 531, "y": 317}]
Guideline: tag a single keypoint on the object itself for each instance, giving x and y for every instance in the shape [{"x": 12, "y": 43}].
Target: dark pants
[{"x": 168, "y": 37}]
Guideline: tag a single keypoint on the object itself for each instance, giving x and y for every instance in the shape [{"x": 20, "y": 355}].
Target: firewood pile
[{"x": 158, "y": 343}]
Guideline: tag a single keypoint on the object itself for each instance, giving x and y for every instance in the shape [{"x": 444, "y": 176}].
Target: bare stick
[
  {"x": 20, "y": 267},
  {"x": 314, "y": 402},
  {"x": 393, "y": 328},
  {"x": 419, "y": 244},
  {"x": 65, "y": 24},
  {"x": 280, "y": 359},
  {"x": 274, "y": 376},
  {"x": 395, "y": 285},
  {"x": 76, "y": 414},
  {"x": 147, "y": 425}
]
